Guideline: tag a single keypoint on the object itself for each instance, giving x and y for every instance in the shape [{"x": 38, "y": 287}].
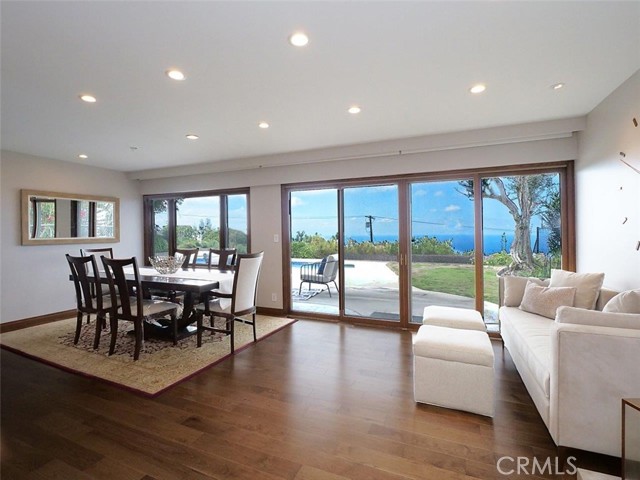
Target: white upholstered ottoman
[
  {"x": 453, "y": 317},
  {"x": 453, "y": 368}
]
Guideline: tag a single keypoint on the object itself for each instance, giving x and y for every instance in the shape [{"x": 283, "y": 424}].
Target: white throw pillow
[
  {"x": 514, "y": 289},
  {"x": 587, "y": 286},
  {"x": 624, "y": 302},
  {"x": 546, "y": 300}
]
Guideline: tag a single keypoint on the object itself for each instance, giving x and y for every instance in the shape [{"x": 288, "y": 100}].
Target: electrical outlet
[
  {"x": 274, "y": 297},
  {"x": 276, "y": 238}
]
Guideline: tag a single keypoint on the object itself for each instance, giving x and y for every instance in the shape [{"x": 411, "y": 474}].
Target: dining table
[{"x": 193, "y": 281}]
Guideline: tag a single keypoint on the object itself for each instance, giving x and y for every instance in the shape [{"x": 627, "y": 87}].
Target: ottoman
[
  {"x": 453, "y": 368},
  {"x": 453, "y": 317}
]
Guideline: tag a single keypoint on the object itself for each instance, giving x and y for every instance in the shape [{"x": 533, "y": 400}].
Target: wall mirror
[{"x": 58, "y": 218}]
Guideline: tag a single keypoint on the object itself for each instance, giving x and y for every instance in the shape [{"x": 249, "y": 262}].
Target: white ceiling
[{"x": 408, "y": 64}]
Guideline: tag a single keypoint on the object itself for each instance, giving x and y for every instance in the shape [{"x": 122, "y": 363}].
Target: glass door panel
[
  {"x": 160, "y": 222},
  {"x": 442, "y": 246},
  {"x": 521, "y": 231},
  {"x": 314, "y": 251},
  {"x": 198, "y": 224},
  {"x": 371, "y": 249}
]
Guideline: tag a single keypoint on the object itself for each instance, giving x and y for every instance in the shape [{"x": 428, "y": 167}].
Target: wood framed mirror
[{"x": 62, "y": 218}]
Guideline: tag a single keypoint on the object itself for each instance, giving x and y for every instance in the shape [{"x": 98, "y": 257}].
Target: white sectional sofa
[{"x": 576, "y": 367}]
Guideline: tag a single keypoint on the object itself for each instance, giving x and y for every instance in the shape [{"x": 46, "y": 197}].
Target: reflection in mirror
[{"x": 50, "y": 217}]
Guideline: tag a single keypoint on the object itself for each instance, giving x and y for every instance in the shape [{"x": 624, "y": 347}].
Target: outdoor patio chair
[{"x": 323, "y": 272}]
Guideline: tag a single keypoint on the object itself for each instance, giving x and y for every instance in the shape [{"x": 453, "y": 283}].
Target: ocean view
[{"x": 465, "y": 242}]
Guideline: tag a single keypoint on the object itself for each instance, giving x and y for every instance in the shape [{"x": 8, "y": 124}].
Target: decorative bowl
[{"x": 167, "y": 264}]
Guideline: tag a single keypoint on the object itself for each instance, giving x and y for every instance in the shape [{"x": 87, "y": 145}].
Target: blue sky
[
  {"x": 194, "y": 209},
  {"x": 438, "y": 208}
]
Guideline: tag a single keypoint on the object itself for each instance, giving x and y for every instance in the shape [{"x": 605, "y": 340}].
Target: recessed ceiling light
[
  {"x": 88, "y": 98},
  {"x": 354, "y": 109},
  {"x": 175, "y": 74},
  {"x": 263, "y": 125},
  {"x": 557, "y": 86},
  {"x": 479, "y": 88},
  {"x": 298, "y": 39},
  {"x": 83, "y": 156},
  {"x": 192, "y": 136}
]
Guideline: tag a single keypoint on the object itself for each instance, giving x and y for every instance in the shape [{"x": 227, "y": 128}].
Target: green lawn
[{"x": 453, "y": 279}]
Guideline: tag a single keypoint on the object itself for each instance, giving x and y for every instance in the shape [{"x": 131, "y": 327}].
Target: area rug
[{"x": 161, "y": 364}]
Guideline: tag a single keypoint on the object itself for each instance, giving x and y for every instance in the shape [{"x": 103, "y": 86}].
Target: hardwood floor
[{"x": 316, "y": 401}]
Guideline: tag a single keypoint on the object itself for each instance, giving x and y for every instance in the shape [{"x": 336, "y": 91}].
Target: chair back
[
  {"x": 222, "y": 259},
  {"x": 85, "y": 287},
  {"x": 330, "y": 271},
  {"x": 190, "y": 256},
  {"x": 119, "y": 288},
  {"x": 107, "y": 251},
  {"x": 245, "y": 282}
]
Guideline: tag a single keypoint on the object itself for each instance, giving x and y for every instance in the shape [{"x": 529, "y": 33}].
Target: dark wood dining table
[{"x": 192, "y": 281}]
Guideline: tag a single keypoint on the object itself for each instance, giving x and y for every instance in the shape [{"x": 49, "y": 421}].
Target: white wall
[
  {"x": 607, "y": 191},
  {"x": 34, "y": 279},
  {"x": 265, "y": 182}
]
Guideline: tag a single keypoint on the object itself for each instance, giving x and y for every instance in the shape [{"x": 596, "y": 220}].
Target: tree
[
  {"x": 551, "y": 219},
  {"x": 524, "y": 196}
]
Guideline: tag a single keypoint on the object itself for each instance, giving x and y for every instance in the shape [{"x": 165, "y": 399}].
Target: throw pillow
[
  {"x": 514, "y": 289},
  {"x": 587, "y": 286},
  {"x": 546, "y": 300},
  {"x": 624, "y": 302}
]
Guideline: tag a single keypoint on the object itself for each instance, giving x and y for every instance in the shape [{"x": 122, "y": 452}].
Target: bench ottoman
[
  {"x": 453, "y": 317},
  {"x": 453, "y": 368}
]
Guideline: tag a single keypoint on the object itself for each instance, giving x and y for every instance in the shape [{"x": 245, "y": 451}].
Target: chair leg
[
  {"x": 233, "y": 343},
  {"x": 174, "y": 326},
  {"x": 137, "y": 328},
  {"x": 199, "y": 328},
  {"x": 78, "y": 328},
  {"x": 336, "y": 285},
  {"x": 113, "y": 321},
  {"x": 328, "y": 289},
  {"x": 255, "y": 338},
  {"x": 300, "y": 288},
  {"x": 99, "y": 326}
]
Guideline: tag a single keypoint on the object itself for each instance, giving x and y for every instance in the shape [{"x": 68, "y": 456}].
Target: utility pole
[{"x": 368, "y": 225}]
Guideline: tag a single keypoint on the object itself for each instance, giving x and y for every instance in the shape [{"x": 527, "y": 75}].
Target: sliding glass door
[
  {"x": 381, "y": 252},
  {"x": 371, "y": 252},
  {"x": 442, "y": 245}
]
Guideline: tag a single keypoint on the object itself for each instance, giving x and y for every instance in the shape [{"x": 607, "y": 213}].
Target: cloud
[
  {"x": 296, "y": 201},
  {"x": 452, "y": 208},
  {"x": 439, "y": 193},
  {"x": 419, "y": 193}
]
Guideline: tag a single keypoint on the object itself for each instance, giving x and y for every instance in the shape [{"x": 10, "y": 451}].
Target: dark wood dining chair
[
  {"x": 87, "y": 303},
  {"x": 222, "y": 259},
  {"x": 106, "y": 251},
  {"x": 242, "y": 296},
  {"x": 190, "y": 256},
  {"x": 98, "y": 252},
  {"x": 134, "y": 309}
]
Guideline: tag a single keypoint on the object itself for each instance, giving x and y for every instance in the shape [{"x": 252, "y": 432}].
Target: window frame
[{"x": 147, "y": 201}]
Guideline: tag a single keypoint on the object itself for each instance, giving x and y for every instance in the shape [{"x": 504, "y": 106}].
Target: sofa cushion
[
  {"x": 624, "y": 302},
  {"x": 587, "y": 286},
  {"x": 531, "y": 335},
  {"x": 514, "y": 287},
  {"x": 546, "y": 300}
]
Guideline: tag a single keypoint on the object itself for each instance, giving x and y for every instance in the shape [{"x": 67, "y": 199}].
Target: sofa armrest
[
  {"x": 592, "y": 369},
  {"x": 581, "y": 316}
]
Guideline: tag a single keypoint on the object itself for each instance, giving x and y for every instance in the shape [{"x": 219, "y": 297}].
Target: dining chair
[
  {"x": 242, "y": 300},
  {"x": 86, "y": 302},
  {"x": 135, "y": 309},
  {"x": 107, "y": 251},
  {"x": 222, "y": 259},
  {"x": 190, "y": 256}
]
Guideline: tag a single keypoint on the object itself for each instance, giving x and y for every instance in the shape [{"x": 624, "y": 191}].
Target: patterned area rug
[{"x": 161, "y": 364}]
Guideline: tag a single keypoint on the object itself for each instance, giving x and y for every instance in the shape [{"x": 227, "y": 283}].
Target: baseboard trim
[
  {"x": 271, "y": 312},
  {"x": 33, "y": 321}
]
